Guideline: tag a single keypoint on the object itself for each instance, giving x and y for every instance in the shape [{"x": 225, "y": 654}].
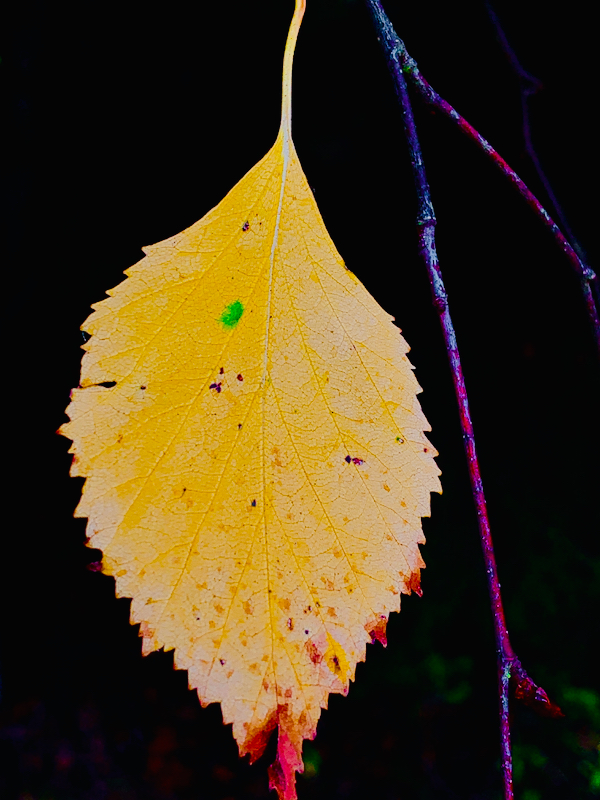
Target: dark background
[{"x": 126, "y": 121}]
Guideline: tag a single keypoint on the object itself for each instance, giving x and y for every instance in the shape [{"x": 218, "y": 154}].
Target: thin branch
[
  {"x": 588, "y": 280},
  {"x": 530, "y": 85},
  {"x": 508, "y": 664}
]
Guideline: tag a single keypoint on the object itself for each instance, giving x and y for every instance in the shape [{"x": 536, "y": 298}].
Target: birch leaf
[{"x": 256, "y": 468}]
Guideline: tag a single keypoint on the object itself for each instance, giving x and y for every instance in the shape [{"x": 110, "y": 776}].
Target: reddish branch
[
  {"x": 509, "y": 667},
  {"x": 404, "y": 65}
]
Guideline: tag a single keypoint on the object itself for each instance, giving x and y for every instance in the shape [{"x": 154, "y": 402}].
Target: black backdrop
[{"x": 126, "y": 122}]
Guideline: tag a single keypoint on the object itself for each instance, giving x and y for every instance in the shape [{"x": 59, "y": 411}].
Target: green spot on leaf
[{"x": 232, "y": 313}]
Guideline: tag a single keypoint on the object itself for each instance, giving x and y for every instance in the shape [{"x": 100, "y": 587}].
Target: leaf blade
[{"x": 257, "y": 475}]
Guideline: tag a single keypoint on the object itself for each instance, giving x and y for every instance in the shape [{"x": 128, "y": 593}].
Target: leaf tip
[{"x": 282, "y": 773}]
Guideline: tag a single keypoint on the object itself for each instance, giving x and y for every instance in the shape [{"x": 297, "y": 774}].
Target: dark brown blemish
[
  {"x": 290, "y": 624},
  {"x": 239, "y": 426},
  {"x": 239, "y": 376},
  {"x": 253, "y": 504},
  {"x": 143, "y": 388},
  {"x": 357, "y": 461},
  {"x": 222, "y": 662},
  {"x": 246, "y": 226},
  {"x": 348, "y": 459},
  {"x": 216, "y": 386}
]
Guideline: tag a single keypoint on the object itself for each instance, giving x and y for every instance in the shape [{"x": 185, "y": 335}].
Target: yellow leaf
[{"x": 255, "y": 462}]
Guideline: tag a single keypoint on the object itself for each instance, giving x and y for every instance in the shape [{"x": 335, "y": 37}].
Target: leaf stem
[
  {"x": 288, "y": 59},
  {"x": 508, "y": 664},
  {"x": 407, "y": 66}
]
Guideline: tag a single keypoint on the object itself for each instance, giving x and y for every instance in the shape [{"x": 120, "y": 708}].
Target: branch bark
[{"x": 509, "y": 667}]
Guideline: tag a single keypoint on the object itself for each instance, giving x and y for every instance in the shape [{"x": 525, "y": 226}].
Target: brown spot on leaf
[
  {"x": 247, "y": 606},
  {"x": 315, "y": 656},
  {"x": 284, "y": 603}
]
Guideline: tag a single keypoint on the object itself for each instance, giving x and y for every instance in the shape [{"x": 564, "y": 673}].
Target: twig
[
  {"x": 587, "y": 278},
  {"x": 508, "y": 664},
  {"x": 530, "y": 85}
]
